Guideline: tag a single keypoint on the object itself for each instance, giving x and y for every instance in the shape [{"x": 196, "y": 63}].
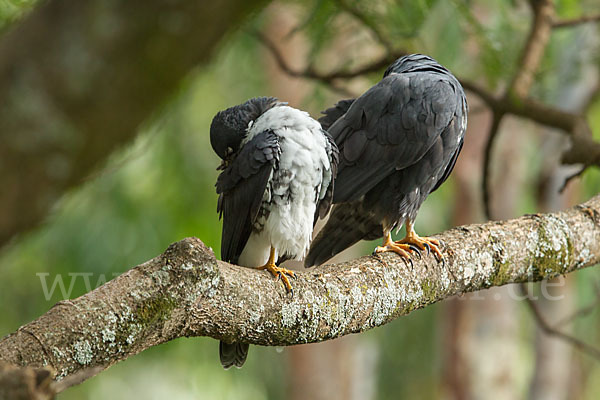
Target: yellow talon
[
  {"x": 278, "y": 272},
  {"x": 415, "y": 242},
  {"x": 402, "y": 250}
]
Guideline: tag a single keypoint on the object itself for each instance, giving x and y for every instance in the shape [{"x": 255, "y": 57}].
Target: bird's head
[
  {"x": 229, "y": 127},
  {"x": 414, "y": 62}
]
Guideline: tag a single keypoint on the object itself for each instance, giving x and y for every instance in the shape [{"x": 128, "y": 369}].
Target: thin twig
[
  {"x": 379, "y": 36},
  {"x": 310, "y": 73},
  {"x": 549, "y": 330},
  {"x": 583, "y": 311},
  {"x": 487, "y": 160},
  {"x": 570, "y": 22},
  {"x": 534, "y": 49},
  {"x": 305, "y": 22}
]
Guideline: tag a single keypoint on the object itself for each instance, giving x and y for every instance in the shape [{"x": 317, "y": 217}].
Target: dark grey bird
[
  {"x": 398, "y": 143},
  {"x": 277, "y": 178}
]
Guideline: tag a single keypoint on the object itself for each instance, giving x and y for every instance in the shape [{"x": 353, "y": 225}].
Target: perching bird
[
  {"x": 398, "y": 142},
  {"x": 277, "y": 178}
]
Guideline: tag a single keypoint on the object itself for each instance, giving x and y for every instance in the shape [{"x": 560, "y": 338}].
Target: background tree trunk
[{"x": 77, "y": 78}]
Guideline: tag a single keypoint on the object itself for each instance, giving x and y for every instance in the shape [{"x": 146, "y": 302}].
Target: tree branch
[
  {"x": 324, "y": 77},
  {"x": 567, "y": 23},
  {"x": 583, "y": 311},
  {"x": 487, "y": 162},
  {"x": 535, "y": 46},
  {"x": 549, "y": 330},
  {"x": 187, "y": 292},
  {"x": 366, "y": 21}
]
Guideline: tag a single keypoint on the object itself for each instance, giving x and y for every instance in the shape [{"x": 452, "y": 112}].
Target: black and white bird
[
  {"x": 398, "y": 142},
  {"x": 277, "y": 178}
]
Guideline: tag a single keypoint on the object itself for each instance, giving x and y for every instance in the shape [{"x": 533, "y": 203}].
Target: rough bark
[
  {"x": 187, "y": 292},
  {"x": 77, "y": 78}
]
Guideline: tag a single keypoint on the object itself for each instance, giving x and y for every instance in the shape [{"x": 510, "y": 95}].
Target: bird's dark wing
[
  {"x": 391, "y": 127},
  {"x": 241, "y": 187},
  {"x": 347, "y": 224},
  {"x": 449, "y": 167},
  {"x": 334, "y": 113},
  {"x": 324, "y": 204}
]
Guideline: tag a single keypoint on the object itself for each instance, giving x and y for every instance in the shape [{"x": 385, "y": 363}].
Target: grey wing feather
[
  {"x": 391, "y": 127},
  {"x": 449, "y": 168},
  {"x": 241, "y": 187},
  {"x": 324, "y": 204},
  {"x": 334, "y": 113}
]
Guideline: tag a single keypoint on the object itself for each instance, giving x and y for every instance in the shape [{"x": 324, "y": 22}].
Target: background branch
[
  {"x": 535, "y": 46},
  {"x": 583, "y": 311},
  {"x": 550, "y": 330},
  {"x": 324, "y": 77},
  {"x": 489, "y": 145},
  {"x": 187, "y": 292},
  {"x": 368, "y": 23},
  {"x": 568, "y": 23}
]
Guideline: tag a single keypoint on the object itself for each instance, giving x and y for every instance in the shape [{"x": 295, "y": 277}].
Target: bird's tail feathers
[
  {"x": 233, "y": 354},
  {"x": 345, "y": 226}
]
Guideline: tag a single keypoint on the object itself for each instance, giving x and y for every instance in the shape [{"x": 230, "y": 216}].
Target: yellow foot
[
  {"x": 281, "y": 273},
  {"x": 400, "y": 249},
  {"x": 403, "y": 250},
  {"x": 418, "y": 244}
]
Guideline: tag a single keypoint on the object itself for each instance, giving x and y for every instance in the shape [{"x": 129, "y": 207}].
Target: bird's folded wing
[
  {"x": 334, "y": 113},
  {"x": 241, "y": 187},
  {"x": 391, "y": 127},
  {"x": 326, "y": 195}
]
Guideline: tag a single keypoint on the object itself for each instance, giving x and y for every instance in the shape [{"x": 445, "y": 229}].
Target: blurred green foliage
[
  {"x": 12, "y": 10},
  {"x": 161, "y": 189}
]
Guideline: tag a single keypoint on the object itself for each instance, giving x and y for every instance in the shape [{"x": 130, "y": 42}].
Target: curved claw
[
  {"x": 427, "y": 247},
  {"x": 280, "y": 274},
  {"x": 416, "y": 250}
]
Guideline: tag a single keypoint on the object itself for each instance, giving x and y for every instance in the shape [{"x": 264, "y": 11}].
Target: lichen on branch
[{"x": 187, "y": 292}]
